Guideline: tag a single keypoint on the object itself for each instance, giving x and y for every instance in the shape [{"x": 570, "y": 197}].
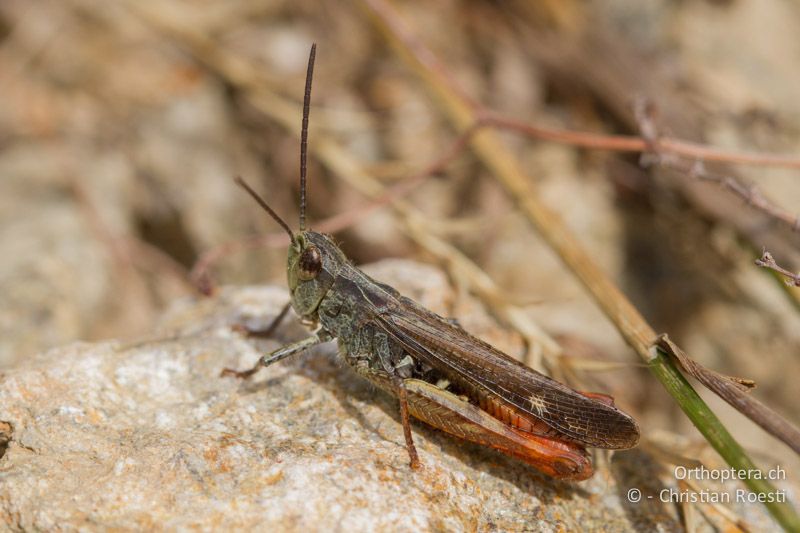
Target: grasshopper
[{"x": 440, "y": 374}]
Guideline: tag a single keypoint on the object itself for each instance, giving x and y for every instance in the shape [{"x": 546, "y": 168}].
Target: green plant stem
[{"x": 718, "y": 436}]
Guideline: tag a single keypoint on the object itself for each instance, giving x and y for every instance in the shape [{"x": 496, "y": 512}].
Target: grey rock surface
[
  {"x": 147, "y": 436},
  {"x": 52, "y": 275}
]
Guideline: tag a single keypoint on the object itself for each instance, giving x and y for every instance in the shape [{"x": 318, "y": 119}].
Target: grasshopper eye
[{"x": 310, "y": 264}]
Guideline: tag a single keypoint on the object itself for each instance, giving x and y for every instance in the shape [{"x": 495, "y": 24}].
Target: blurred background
[{"x": 122, "y": 124}]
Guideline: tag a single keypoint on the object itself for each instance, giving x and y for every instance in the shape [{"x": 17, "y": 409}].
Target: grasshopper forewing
[
  {"x": 440, "y": 374},
  {"x": 505, "y": 386}
]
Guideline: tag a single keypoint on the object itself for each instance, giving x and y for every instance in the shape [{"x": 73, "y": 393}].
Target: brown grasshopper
[{"x": 440, "y": 374}]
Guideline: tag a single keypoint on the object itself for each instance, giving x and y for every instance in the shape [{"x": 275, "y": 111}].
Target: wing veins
[{"x": 596, "y": 430}]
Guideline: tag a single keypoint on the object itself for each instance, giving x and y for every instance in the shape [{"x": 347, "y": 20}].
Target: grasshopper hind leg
[
  {"x": 397, "y": 371},
  {"x": 402, "y": 396}
]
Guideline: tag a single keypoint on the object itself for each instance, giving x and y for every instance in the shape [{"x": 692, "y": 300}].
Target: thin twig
[
  {"x": 767, "y": 261},
  {"x": 750, "y": 194},
  {"x": 200, "y": 273},
  {"x": 645, "y": 113},
  {"x": 629, "y": 143},
  {"x": 678, "y": 155}
]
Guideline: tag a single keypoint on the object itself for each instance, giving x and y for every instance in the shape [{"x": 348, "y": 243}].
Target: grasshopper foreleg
[
  {"x": 264, "y": 333},
  {"x": 281, "y": 353}
]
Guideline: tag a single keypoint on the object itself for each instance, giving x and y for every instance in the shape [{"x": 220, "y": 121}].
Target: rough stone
[{"x": 147, "y": 436}]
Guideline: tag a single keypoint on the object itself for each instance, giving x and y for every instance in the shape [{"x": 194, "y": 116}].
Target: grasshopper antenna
[
  {"x": 304, "y": 136},
  {"x": 241, "y": 183}
]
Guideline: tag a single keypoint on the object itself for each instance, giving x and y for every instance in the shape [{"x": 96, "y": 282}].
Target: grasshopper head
[{"x": 314, "y": 260}]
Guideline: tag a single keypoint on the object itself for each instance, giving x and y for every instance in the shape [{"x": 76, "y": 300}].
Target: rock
[
  {"x": 53, "y": 275},
  {"x": 147, "y": 436}
]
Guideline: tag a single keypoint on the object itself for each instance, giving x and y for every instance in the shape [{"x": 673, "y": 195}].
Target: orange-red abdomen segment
[{"x": 446, "y": 411}]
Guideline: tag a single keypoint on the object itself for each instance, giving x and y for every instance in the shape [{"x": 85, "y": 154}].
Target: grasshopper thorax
[{"x": 313, "y": 262}]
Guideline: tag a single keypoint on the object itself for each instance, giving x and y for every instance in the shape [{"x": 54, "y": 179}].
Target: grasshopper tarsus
[
  {"x": 239, "y": 374},
  {"x": 247, "y": 330}
]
